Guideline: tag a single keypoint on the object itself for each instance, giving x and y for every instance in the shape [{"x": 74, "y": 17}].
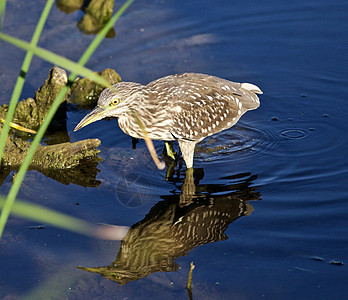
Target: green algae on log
[
  {"x": 63, "y": 157},
  {"x": 85, "y": 92},
  {"x": 97, "y": 14},
  {"x": 69, "y": 6},
  {"x": 31, "y": 112},
  {"x": 59, "y": 156}
]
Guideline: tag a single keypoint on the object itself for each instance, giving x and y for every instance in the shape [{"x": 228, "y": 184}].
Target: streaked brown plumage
[{"x": 186, "y": 107}]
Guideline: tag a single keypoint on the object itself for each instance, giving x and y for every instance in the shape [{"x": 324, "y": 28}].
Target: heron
[{"x": 185, "y": 107}]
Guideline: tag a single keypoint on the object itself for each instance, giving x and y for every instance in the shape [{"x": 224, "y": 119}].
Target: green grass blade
[
  {"x": 25, "y": 165},
  {"x": 20, "y": 80},
  {"x": 44, "y": 215},
  {"x": 2, "y": 13},
  {"x": 2, "y": 6},
  {"x": 55, "y": 59},
  {"x": 14, "y": 99}
]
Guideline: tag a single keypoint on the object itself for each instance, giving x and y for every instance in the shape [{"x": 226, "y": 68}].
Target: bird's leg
[
  {"x": 134, "y": 143},
  {"x": 170, "y": 150},
  {"x": 188, "y": 188},
  {"x": 187, "y": 149}
]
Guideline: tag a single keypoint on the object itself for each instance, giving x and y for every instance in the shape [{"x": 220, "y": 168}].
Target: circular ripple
[
  {"x": 313, "y": 136},
  {"x": 238, "y": 143},
  {"x": 294, "y": 134}
]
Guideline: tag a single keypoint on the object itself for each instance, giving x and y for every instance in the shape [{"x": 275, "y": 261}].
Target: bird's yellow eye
[{"x": 115, "y": 102}]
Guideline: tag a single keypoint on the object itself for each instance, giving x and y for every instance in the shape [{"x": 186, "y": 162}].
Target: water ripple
[
  {"x": 294, "y": 133},
  {"x": 311, "y": 136}
]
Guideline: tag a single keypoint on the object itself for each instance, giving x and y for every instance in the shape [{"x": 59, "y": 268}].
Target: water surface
[{"x": 278, "y": 179}]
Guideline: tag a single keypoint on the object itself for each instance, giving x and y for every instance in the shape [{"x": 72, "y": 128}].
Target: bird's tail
[{"x": 251, "y": 87}]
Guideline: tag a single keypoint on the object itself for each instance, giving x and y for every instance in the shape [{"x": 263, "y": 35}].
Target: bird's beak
[{"x": 96, "y": 114}]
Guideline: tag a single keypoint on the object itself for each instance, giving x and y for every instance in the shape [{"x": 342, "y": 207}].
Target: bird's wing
[{"x": 201, "y": 105}]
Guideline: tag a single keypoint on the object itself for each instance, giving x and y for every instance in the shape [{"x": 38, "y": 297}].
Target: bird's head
[{"x": 117, "y": 100}]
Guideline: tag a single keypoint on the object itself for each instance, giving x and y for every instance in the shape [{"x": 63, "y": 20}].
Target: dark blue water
[{"x": 276, "y": 182}]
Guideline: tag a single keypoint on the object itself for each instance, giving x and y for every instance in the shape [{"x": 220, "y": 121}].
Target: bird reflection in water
[{"x": 198, "y": 215}]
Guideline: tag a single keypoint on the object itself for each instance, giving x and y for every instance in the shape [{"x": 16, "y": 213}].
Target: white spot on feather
[{"x": 178, "y": 109}]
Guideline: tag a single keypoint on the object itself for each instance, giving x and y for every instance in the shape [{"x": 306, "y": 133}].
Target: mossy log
[
  {"x": 85, "y": 92},
  {"x": 97, "y": 14},
  {"x": 69, "y": 6},
  {"x": 30, "y": 114}
]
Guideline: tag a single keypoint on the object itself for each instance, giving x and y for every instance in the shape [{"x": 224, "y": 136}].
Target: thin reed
[{"x": 77, "y": 69}]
